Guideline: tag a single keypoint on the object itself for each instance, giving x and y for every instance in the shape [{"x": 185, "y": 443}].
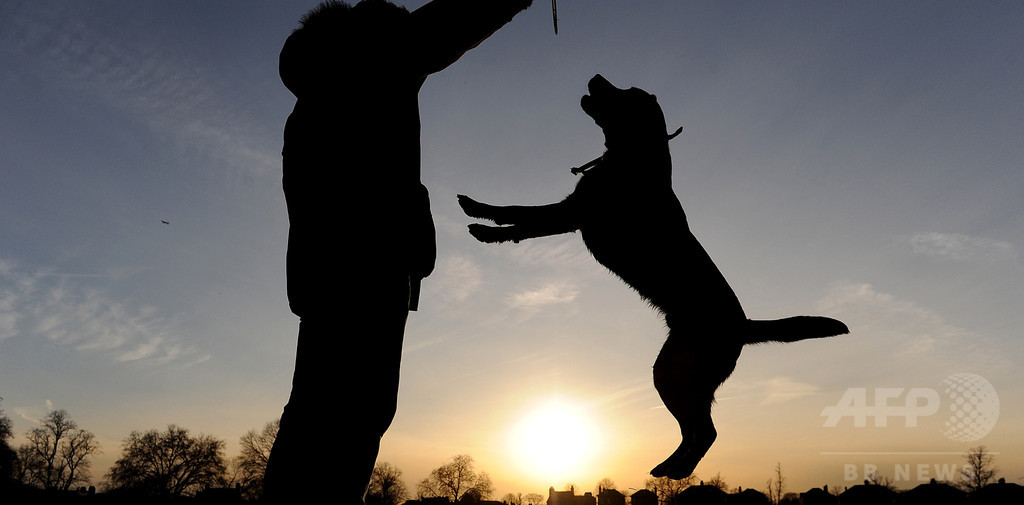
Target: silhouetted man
[{"x": 361, "y": 235}]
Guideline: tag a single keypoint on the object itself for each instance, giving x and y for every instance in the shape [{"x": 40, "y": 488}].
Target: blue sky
[{"x": 860, "y": 160}]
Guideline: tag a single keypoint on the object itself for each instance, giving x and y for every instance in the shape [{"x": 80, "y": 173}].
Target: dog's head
[{"x": 627, "y": 116}]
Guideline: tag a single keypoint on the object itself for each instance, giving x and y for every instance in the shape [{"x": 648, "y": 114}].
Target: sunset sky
[{"x": 861, "y": 160}]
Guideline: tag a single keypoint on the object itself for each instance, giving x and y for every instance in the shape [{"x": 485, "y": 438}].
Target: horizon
[{"x": 859, "y": 161}]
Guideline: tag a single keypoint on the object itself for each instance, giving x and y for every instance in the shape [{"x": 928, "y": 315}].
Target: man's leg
[{"x": 344, "y": 396}]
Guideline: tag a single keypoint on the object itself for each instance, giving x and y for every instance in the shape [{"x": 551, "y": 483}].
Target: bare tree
[
  {"x": 790, "y": 499},
  {"x": 57, "y": 455},
  {"x": 456, "y": 479},
  {"x": 534, "y": 499},
  {"x": 523, "y": 499},
  {"x": 776, "y": 485},
  {"x": 717, "y": 481},
  {"x": 7, "y": 455},
  {"x": 6, "y": 427},
  {"x": 251, "y": 463},
  {"x": 979, "y": 470},
  {"x": 386, "y": 486},
  {"x": 605, "y": 483},
  {"x": 512, "y": 499},
  {"x": 171, "y": 463},
  {"x": 877, "y": 479},
  {"x": 667, "y": 489},
  {"x": 24, "y": 466}
]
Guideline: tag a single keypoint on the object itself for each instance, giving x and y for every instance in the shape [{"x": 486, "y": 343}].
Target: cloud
[
  {"x": 904, "y": 332},
  {"x": 461, "y": 277},
  {"x": 785, "y": 389},
  {"x": 177, "y": 97},
  {"x": 909, "y": 328},
  {"x": 549, "y": 294},
  {"x": 561, "y": 253},
  {"x": 85, "y": 318},
  {"x": 34, "y": 413},
  {"x": 767, "y": 391},
  {"x": 959, "y": 247},
  {"x": 630, "y": 394}
]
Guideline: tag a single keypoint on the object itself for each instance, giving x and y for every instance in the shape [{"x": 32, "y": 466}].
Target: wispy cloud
[
  {"x": 562, "y": 253},
  {"x": 85, "y": 318},
  {"x": 630, "y": 394},
  {"x": 785, "y": 389},
  {"x": 959, "y": 247},
  {"x": 907, "y": 327},
  {"x": 150, "y": 81},
  {"x": 461, "y": 277},
  {"x": 549, "y": 294},
  {"x": 894, "y": 328},
  {"x": 768, "y": 391},
  {"x": 34, "y": 413}
]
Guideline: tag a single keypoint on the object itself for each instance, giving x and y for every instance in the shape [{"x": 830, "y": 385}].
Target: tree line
[
  {"x": 174, "y": 463},
  {"x": 57, "y": 456}
]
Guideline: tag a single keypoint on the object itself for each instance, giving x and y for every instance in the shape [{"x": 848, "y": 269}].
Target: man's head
[{"x": 339, "y": 47}]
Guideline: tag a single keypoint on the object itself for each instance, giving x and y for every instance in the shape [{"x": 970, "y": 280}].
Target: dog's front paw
[
  {"x": 473, "y": 208},
  {"x": 492, "y": 234}
]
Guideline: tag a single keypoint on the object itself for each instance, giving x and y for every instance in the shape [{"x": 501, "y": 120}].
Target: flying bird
[{"x": 164, "y": 222}]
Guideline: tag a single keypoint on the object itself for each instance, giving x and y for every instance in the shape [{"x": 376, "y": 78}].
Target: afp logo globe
[{"x": 973, "y": 407}]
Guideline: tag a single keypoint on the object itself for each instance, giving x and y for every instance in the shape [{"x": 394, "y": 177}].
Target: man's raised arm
[{"x": 449, "y": 28}]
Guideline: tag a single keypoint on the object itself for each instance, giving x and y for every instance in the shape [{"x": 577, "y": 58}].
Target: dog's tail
[{"x": 792, "y": 329}]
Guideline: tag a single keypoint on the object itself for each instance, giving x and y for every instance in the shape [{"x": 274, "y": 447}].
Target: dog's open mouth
[
  {"x": 598, "y": 86},
  {"x": 585, "y": 103}
]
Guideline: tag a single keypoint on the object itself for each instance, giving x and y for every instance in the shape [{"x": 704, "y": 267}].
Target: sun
[{"x": 555, "y": 440}]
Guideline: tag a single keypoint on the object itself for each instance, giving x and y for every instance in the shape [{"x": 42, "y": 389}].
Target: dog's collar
[{"x": 597, "y": 161}]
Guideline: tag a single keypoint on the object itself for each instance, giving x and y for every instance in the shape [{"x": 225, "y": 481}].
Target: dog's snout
[{"x": 599, "y": 84}]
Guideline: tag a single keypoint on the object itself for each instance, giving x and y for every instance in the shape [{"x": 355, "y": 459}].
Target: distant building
[
  {"x": 748, "y": 497},
  {"x": 1000, "y": 492},
  {"x": 644, "y": 497},
  {"x": 818, "y": 496},
  {"x": 610, "y": 497},
  {"x": 218, "y": 495},
  {"x": 569, "y": 497},
  {"x": 868, "y": 494},
  {"x": 561, "y": 497},
  {"x": 934, "y": 492},
  {"x": 433, "y": 500},
  {"x": 702, "y": 495}
]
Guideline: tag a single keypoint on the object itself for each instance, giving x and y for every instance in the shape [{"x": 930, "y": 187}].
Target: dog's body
[{"x": 632, "y": 222}]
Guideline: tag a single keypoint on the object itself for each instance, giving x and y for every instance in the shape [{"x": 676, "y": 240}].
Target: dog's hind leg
[{"x": 686, "y": 375}]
